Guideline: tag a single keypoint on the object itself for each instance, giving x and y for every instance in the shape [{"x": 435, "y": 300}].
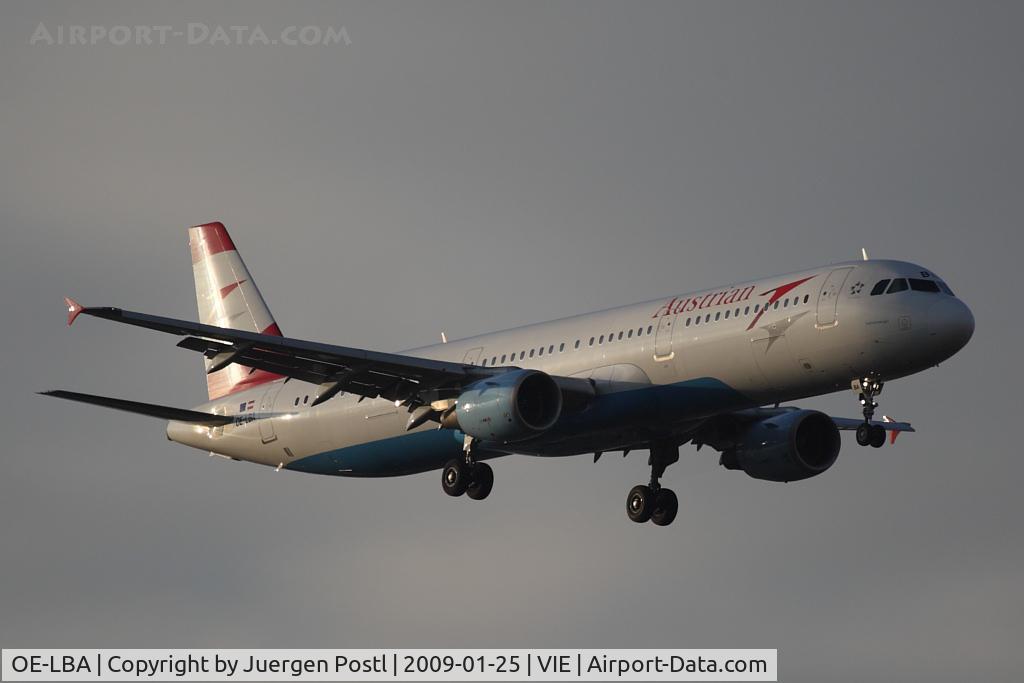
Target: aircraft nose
[{"x": 952, "y": 323}]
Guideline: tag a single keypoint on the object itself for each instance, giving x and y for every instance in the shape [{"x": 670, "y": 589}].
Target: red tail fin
[{"x": 227, "y": 297}]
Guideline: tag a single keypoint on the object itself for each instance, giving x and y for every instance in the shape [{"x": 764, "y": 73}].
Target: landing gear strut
[
  {"x": 869, "y": 434},
  {"x": 465, "y": 475},
  {"x": 652, "y": 502}
]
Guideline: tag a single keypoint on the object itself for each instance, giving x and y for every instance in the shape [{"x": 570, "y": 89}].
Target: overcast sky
[{"x": 466, "y": 167}]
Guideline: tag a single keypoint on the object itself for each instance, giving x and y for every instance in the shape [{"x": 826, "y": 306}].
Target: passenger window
[
  {"x": 736, "y": 313},
  {"x": 879, "y": 287},
  {"x": 620, "y": 335},
  {"x": 630, "y": 335},
  {"x": 591, "y": 341},
  {"x": 746, "y": 310},
  {"x": 600, "y": 340},
  {"x": 296, "y": 400},
  {"x": 785, "y": 303},
  {"x": 687, "y": 322},
  {"x": 494, "y": 360},
  {"x": 502, "y": 358},
  {"x": 924, "y": 286},
  {"x": 640, "y": 332},
  {"x": 484, "y": 364},
  {"x": 305, "y": 399},
  {"x": 522, "y": 355},
  {"x": 650, "y": 328},
  {"x": 757, "y": 307},
  {"x": 727, "y": 315},
  {"x": 540, "y": 352},
  {"x": 531, "y": 353},
  {"x": 696, "y": 320},
  {"x": 577, "y": 344},
  {"x": 718, "y": 316},
  {"x": 551, "y": 349},
  {"x": 707, "y": 318},
  {"x": 898, "y": 285}
]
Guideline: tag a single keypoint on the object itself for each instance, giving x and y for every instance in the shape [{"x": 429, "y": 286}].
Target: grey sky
[{"x": 472, "y": 166}]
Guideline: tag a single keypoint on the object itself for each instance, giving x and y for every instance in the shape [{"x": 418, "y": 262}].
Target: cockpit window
[
  {"x": 879, "y": 287},
  {"x": 898, "y": 285},
  {"x": 924, "y": 285},
  {"x": 945, "y": 288}
]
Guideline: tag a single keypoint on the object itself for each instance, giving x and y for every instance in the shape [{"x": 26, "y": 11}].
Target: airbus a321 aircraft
[{"x": 708, "y": 368}]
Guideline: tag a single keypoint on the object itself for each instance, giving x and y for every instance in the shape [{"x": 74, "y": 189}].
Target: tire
[
  {"x": 877, "y": 436},
  {"x": 640, "y": 503},
  {"x": 666, "y": 505},
  {"x": 455, "y": 478},
  {"x": 481, "y": 481},
  {"x": 864, "y": 434}
]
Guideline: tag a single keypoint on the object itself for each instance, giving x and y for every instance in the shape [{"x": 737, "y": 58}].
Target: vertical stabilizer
[{"x": 227, "y": 297}]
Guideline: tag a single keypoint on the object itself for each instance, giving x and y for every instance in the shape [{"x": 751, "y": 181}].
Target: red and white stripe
[{"x": 228, "y": 297}]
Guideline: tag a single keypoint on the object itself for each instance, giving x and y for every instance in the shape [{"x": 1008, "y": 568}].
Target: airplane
[{"x": 706, "y": 368}]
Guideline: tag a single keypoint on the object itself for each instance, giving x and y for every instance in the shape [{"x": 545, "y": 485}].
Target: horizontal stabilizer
[{"x": 162, "y": 412}]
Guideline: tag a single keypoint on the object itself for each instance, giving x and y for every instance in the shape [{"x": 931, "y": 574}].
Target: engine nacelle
[
  {"x": 787, "y": 447},
  {"x": 509, "y": 407}
]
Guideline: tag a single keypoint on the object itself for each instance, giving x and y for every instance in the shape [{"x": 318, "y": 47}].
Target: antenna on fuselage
[
  {"x": 444, "y": 338},
  {"x": 864, "y": 253}
]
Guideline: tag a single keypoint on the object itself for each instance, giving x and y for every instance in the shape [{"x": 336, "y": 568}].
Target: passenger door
[
  {"x": 828, "y": 297},
  {"x": 266, "y": 409},
  {"x": 663, "y": 338}
]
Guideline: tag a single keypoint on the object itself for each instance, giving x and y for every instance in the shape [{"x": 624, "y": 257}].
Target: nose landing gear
[
  {"x": 869, "y": 434},
  {"x": 652, "y": 502}
]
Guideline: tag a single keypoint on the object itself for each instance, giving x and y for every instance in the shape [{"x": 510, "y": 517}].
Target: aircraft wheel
[
  {"x": 877, "y": 436},
  {"x": 482, "y": 480},
  {"x": 455, "y": 477},
  {"x": 864, "y": 434},
  {"x": 640, "y": 503},
  {"x": 666, "y": 505}
]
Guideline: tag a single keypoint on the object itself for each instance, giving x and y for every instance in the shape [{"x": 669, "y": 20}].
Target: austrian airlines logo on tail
[{"x": 776, "y": 294}]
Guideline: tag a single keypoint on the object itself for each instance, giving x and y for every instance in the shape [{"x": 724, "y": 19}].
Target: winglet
[
  {"x": 74, "y": 308},
  {"x": 893, "y": 433}
]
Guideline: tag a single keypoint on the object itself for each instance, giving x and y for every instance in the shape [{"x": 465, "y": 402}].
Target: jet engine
[
  {"x": 509, "y": 407},
  {"x": 794, "y": 445}
]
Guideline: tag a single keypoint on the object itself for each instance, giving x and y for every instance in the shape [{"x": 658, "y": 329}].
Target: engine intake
[
  {"x": 513, "y": 406},
  {"x": 790, "y": 446}
]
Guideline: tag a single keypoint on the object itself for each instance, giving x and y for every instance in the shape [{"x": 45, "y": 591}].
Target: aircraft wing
[
  {"x": 408, "y": 379},
  {"x": 150, "y": 409},
  {"x": 709, "y": 432},
  {"x": 888, "y": 424},
  {"x": 842, "y": 423}
]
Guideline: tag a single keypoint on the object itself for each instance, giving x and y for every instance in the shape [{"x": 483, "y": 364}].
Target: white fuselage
[{"x": 743, "y": 345}]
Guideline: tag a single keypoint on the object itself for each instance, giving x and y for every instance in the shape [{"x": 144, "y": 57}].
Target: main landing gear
[
  {"x": 652, "y": 502},
  {"x": 465, "y": 475},
  {"x": 869, "y": 434}
]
